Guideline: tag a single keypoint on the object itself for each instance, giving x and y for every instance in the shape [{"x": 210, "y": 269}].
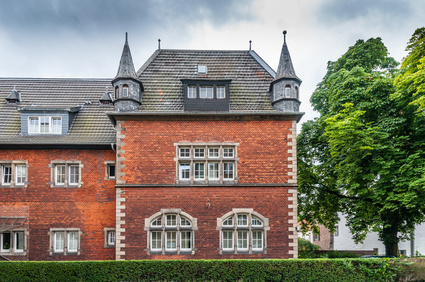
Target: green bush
[
  {"x": 306, "y": 249},
  {"x": 200, "y": 270}
]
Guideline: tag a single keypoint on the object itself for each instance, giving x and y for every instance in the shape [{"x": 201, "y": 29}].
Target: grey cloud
[{"x": 389, "y": 12}]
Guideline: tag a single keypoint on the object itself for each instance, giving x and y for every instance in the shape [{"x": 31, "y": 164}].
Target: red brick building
[{"x": 192, "y": 157}]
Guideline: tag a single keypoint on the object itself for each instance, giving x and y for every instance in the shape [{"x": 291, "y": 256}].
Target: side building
[{"x": 193, "y": 156}]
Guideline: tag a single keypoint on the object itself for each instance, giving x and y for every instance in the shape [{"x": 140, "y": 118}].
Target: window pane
[
  {"x": 242, "y": 220},
  {"x": 199, "y": 152},
  {"x": 186, "y": 240},
  {"x": 60, "y": 174},
  {"x": 257, "y": 239},
  {"x": 288, "y": 91},
  {"x": 7, "y": 174},
  {"x": 19, "y": 241},
  {"x": 184, "y": 222},
  {"x": 73, "y": 174},
  {"x": 125, "y": 91},
  {"x": 184, "y": 152},
  {"x": 156, "y": 222},
  {"x": 156, "y": 241},
  {"x": 206, "y": 92},
  {"x": 33, "y": 125},
  {"x": 171, "y": 220},
  {"x": 199, "y": 171},
  {"x": 213, "y": 153},
  {"x": 44, "y": 124},
  {"x": 111, "y": 171},
  {"x": 228, "y": 221},
  {"x": 171, "y": 240},
  {"x": 191, "y": 91},
  {"x": 72, "y": 242},
  {"x": 242, "y": 240},
  {"x": 221, "y": 92},
  {"x": 213, "y": 171},
  {"x": 227, "y": 239},
  {"x": 228, "y": 152},
  {"x": 184, "y": 171},
  {"x": 56, "y": 125},
  {"x": 111, "y": 238},
  {"x": 5, "y": 241},
  {"x": 59, "y": 243},
  {"x": 256, "y": 221},
  {"x": 20, "y": 174},
  {"x": 228, "y": 171}
]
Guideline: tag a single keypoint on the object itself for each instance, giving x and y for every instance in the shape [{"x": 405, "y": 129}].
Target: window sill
[
  {"x": 108, "y": 246},
  {"x": 3, "y": 253}
]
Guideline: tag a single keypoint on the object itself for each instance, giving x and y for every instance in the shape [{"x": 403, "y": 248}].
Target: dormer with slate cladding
[
  {"x": 127, "y": 87},
  {"x": 285, "y": 86}
]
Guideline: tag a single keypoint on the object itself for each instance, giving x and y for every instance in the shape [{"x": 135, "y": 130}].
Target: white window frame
[
  {"x": 221, "y": 92},
  {"x": 72, "y": 241},
  {"x": 110, "y": 166},
  {"x": 14, "y": 174},
  {"x": 67, "y": 233},
  {"x": 206, "y": 155},
  {"x": 245, "y": 230},
  {"x": 174, "y": 223},
  {"x": 110, "y": 236},
  {"x": 13, "y": 242},
  {"x": 206, "y": 92},
  {"x": 69, "y": 179},
  {"x": 191, "y": 91},
  {"x": 36, "y": 128},
  {"x": 229, "y": 237}
]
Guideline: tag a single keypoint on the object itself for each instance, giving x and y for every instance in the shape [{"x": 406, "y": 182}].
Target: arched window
[
  {"x": 287, "y": 91},
  {"x": 125, "y": 90},
  {"x": 116, "y": 92},
  {"x": 243, "y": 231},
  {"x": 296, "y": 93},
  {"x": 171, "y": 231}
]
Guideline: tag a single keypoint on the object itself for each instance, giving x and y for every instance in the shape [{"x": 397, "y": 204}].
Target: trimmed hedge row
[{"x": 203, "y": 270}]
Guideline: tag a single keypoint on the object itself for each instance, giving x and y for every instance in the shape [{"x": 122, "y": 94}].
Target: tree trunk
[{"x": 389, "y": 234}]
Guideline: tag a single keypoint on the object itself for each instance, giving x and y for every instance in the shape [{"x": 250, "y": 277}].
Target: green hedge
[{"x": 201, "y": 270}]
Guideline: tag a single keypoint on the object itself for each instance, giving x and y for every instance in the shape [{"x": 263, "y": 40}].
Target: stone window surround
[
  {"x": 250, "y": 212},
  {"x": 106, "y": 231},
  {"x": 13, "y": 180},
  {"x": 107, "y": 165},
  {"x": 67, "y": 164},
  {"x": 11, "y": 251},
  {"x": 51, "y": 234},
  {"x": 192, "y": 159},
  {"x": 164, "y": 228}
]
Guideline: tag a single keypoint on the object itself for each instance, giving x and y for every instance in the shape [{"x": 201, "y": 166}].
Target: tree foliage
[{"x": 364, "y": 156}]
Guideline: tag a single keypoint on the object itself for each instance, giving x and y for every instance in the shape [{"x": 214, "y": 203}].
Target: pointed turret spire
[
  {"x": 126, "y": 67},
  {"x": 285, "y": 68}
]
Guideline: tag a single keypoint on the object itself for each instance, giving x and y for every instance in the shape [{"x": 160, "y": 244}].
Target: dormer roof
[
  {"x": 285, "y": 70},
  {"x": 126, "y": 67},
  {"x": 14, "y": 96}
]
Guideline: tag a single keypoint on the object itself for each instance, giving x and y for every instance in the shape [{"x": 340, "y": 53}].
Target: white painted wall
[{"x": 344, "y": 240}]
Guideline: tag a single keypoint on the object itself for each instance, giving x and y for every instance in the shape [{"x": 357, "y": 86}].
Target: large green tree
[{"x": 365, "y": 155}]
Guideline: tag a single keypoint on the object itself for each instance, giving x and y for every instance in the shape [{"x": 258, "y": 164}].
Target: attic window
[{"x": 202, "y": 69}]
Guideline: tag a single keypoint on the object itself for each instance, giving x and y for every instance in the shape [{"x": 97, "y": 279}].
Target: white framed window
[
  {"x": 175, "y": 236},
  {"x": 45, "y": 125},
  {"x": 206, "y": 92},
  {"x": 287, "y": 91},
  {"x": 109, "y": 234},
  {"x": 243, "y": 231},
  {"x": 13, "y": 173},
  {"x": 65, "y": 241},
  {"x": 66, "y": 173},
  {"x": 184, "y": 152},
  {"x": 13, "y": 242},
  {"x": 199, "y": 169},
  {"x": 221, "y": 92},
  {"x": 191, "y": 91},
  {"x": 212, "y": 161},
  {"x": 110, "y": 170},
  {"x": 111, "y": 238},
  {"x": 184, "y": 171},
  {"x": 213, "y": 153},
  {"x": 213, "y": 171}
]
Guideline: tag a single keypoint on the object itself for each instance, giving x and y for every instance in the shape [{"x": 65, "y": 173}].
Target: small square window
[
  {"x": 242, "y": 220},
  {"x": 228, "y": 153},
  {"x": 111, "y": 238},
  {"x": 184, "y": 152},
  {"x": 65, "y": 241},
  {"x": 213, "y": 153},
  {"x": 199, "y": 152},
  {"x": 171, "y": 220},
  {"x": 111, "y": 171},
  {"x": 202, "y": 69}
]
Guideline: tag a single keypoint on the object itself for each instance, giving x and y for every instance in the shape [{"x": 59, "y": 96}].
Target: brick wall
[{"x": 90, "y": 208}]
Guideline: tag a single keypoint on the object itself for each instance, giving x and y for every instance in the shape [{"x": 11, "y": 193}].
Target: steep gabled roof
[
  {"x": 162, "y": 74},
  {"x": 91, "y": 127}
]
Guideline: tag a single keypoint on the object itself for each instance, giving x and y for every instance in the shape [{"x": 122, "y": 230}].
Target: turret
[
  {"x": 128, "y": 89},
  {"x": 285, "y": 87}
]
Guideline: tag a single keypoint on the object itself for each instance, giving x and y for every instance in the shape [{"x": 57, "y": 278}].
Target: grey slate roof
[
  {"x": 161, "y": 76},
  {"x": 126, "y": 66},
  {"x": 285, "y": 68},
  {"x": 91, "y": 127}
]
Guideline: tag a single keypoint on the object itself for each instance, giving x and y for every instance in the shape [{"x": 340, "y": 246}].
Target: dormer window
[
  {"x": 191, "y": 91},
  {"x": 206, "y": 92},
  {"x": 45, "y": 125},
  {"x": 206, "y": 95},
  {"x": 221, "y": 92},
  {"x": 125, "y": 90}
]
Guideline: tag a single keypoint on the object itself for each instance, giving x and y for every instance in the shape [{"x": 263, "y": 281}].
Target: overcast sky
[{"x": 84, "y": 38}]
